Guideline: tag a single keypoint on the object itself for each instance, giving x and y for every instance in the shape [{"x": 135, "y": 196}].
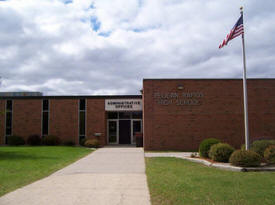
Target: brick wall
[
  {"x": 64, "y": 119},
  {"x": 26, "y": 118},
  {"x": 219, "y": 113},
  {"x": 2, "y": 121},
  {"x": 96, "y": 119}
]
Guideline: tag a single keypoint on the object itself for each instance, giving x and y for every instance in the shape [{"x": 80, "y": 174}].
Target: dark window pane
[
  {"x": 136, "y": 126},
  {"x": 8, "y": 119},
  {"x": 8, "y": 130},
  {"x": 112, "y": 115},
  {"x": 45, "y": 105},
  {"x": 124, "y": 115},
  {"x": 82, "y": 104},
  {"x": 137, "y": 115},
  {"x": 81, "y": 123},
  {"x": 45, "y": 123},
  {"x": 9, "y": 105}
]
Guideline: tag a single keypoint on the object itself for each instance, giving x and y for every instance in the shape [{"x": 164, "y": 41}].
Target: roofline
[
  {"x": 145, "y": 79},
  {"x": 74, "y": 97}
]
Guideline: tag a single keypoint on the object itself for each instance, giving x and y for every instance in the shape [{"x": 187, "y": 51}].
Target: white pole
[{"x": 245, "y": 95}]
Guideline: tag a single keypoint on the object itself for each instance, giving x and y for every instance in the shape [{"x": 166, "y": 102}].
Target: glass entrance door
[
  {"x": 112, "y": 131},
  {"x": 136, "y": 128}
]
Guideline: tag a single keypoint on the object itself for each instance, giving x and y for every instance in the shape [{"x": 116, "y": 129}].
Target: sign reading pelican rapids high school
[{"x": 123, "y": 104}]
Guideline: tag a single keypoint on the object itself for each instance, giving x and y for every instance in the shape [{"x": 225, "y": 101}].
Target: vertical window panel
[
  {"x": 45, "y": 117},
  {"x": 45, "y": 123},
  {"x": 82, "y": 119}
]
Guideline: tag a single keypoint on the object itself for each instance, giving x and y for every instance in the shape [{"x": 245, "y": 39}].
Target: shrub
[
  {"x": 15, "y": 140},
  {"x": 220, "y": 152},
  {"x": 93, "y": 143},
  {"x": 34, "y": 140},
  {"x": 69, "y": 143},
  {"x": 245, "y": 158},
  {"x": 259, "y": 146},
  {"x": 269, "y": 154},
  {"x": 82, "y": 142},
  {"x": 51, "y": 140},
  {"x": 206, "y": 145}
]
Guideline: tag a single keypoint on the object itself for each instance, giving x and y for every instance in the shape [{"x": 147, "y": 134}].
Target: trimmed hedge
[
  {"x": 34, "y": 140},
  {"x": 206, "y": 145},
  {"x": 92, "y": 143},
  {"x": 220, "y": 152},
  {"x": 259, "y": 146},
  {"x": 51, "y": 140},
  {"x": 82, "y": 142},
  {"x": 15, "y": 140},
  {"x": 245, "y": 158},
  {"x": 69, "y": 143},
  {"x": 269, "y": 154}
]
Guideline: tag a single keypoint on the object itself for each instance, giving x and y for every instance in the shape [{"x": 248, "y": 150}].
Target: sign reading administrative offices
[
  {"x": 123, "y": 104},
  {"x": 178, "y": 98}
]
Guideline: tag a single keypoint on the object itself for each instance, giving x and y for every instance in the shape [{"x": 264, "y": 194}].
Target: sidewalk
[{"x": 108, "y": 176}]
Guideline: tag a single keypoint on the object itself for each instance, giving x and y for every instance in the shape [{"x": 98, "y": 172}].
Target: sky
[{"x": 107, "y": 47}]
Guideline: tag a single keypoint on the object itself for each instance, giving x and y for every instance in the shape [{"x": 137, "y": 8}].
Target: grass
[
  {"x": 20, "y": 166},
  {"x": 177, "y": 181}
]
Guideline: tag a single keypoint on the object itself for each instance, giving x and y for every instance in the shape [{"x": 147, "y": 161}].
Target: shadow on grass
[{"x": 4, "y": 155}]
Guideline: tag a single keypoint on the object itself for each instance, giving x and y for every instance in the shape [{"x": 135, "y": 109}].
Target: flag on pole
[{"x": 235, "y": 32}]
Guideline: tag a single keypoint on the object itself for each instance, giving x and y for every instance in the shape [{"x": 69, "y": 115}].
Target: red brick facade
[
  {"x": 26, "y": 117},
  {"x": 2, "y": 122},
  {"x": 96, "y": 119},
  {"x": 179, "y": 114},
  {"x": 64, "y": 119}
]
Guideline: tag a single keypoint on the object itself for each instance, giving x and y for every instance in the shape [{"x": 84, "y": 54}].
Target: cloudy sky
[{"x": 97, "y": 47}]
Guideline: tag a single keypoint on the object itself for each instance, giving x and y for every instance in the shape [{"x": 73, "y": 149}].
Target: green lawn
[
  {"x": 22, "y": 165},
  {"x": 177, "y": 181}
]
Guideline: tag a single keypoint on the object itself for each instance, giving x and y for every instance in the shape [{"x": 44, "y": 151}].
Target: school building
[{"x": 172, "y": 114}]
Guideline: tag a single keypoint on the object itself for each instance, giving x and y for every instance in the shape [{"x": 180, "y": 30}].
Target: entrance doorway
[
  {"x": 124, "y": 131},
  {"x": 122, "y": 126}
]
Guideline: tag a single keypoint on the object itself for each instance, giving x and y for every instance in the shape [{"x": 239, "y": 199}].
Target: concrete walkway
[{"x": 109, "y": 176}]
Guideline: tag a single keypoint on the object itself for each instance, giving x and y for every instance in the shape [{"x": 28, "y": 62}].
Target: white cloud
[{"x": 108, "y": 47}]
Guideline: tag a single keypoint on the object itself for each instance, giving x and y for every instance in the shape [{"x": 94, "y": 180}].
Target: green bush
[
  {"x": 259, "y": 146},
  {"x": 93, "y": 143},
  {"x": 245, "y": 158},
  {"x": 206, "y": 145},
  {"x": 243, "y": 147},
  {"x": 220, "y": 152},
  {"x": 82, "y": 142},
  {"x": 69, "y": 143},
  {"x": 15, "y": 140},
  {"x": 51, "y": 140},
  {"x": 34, "y": 140},
  {"x": 269, "y": 154}
]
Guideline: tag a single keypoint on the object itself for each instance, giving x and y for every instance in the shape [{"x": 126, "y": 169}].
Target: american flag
[{"x": 235, "y": 32}]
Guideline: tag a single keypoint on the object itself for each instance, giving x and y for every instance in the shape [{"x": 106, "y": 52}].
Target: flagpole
[{"x": 245, "y": 94}]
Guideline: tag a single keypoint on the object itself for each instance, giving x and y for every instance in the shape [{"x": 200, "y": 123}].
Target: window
[
  {"x": 8, "y": 118},
  {"x": 45, "y": 118},
  {"x": 82, "y": 119},
  {"x": 112, "y": 115},
  {"x": 124, "y": 115},
  {"x": 137, "y": 115}
]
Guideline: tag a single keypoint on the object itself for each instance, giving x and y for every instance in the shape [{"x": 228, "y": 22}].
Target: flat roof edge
[
  {"x": 145, "y": 79},
  {"x": 74, "y": 97}
]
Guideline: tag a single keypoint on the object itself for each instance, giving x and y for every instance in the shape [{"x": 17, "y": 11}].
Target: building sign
[
  {"x": 123, "y": 104},
  {"x": 178, "y": 98}
]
